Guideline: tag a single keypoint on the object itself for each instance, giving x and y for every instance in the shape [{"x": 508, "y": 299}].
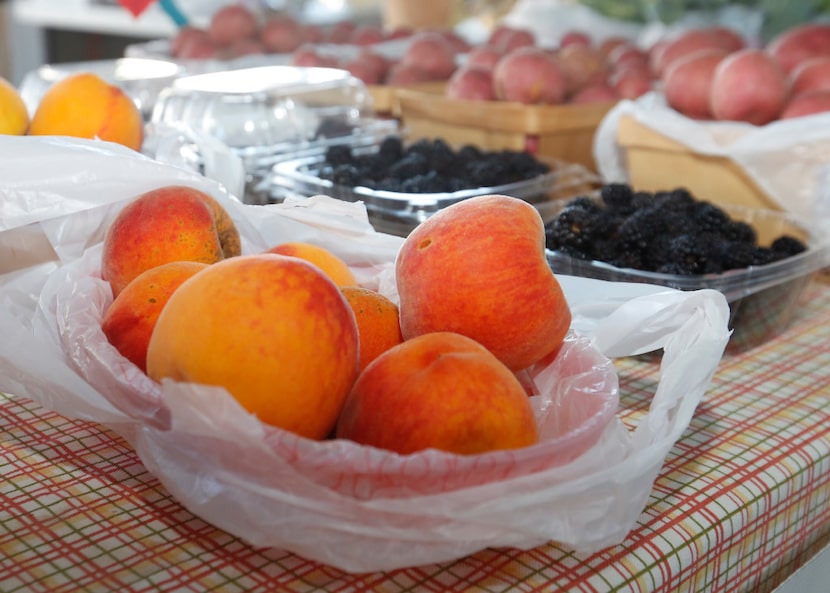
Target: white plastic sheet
[
  {"x": 765, "y": 153},
  {"x": 336, "y": 502}
]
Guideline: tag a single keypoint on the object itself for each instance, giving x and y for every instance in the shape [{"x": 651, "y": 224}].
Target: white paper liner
[
  {"x": 765, "y": 153},
  {"x": 337, "y": 502}
]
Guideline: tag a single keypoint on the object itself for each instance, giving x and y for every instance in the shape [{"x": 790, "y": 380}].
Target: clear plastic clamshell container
[
  {"x": 268, "y": 112},
  {"x": 398, "y": 213},
  {"x": 762, "y": 299}
]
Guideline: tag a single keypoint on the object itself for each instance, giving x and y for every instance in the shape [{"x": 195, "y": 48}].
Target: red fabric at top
[{"x": 136, "y": 7}]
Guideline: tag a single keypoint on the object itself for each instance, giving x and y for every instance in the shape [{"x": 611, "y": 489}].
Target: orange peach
[
  {"x": 274, "y": 331},
  {"x": 334, "y": 267},
  {"x": 378, "y": 322},
  {"x": 84, "y": 105},
  {"x": 478, "y": 268},
  {"x": 440, "y": 391},
  {"x": 171, "y": 223},
  {"x": 129, "y": 321},
  {"x": 14, "y": 117}
]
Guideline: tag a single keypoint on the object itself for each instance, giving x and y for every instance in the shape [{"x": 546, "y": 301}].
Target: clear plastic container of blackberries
[
  {"x": 763, "y": 298},
  {"x": 398, "y": 203}
]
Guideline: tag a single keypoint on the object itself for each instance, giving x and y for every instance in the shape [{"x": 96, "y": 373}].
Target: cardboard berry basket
[
  {"x": 563, "y": 132},
  {"x": 584, "y": 485},
  {"x": 779, "y": 166}
]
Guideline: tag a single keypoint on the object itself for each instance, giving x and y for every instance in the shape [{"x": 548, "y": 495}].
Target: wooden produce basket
[
  {"x": 385, "y": 96},
  {"x": 563, "y": 132},
  {"x": 656, "y": 162}
]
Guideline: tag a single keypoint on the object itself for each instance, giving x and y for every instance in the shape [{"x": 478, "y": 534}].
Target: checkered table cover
[{"x": 742, "y": 501}]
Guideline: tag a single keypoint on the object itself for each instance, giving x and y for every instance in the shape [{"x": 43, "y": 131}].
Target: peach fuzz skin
[
  {"x": 129, "y": 321},
  {"x": 156, "y": 228},
  {"x": 478, "y": 268},
  {"x": 272, "y": 330},
  {"x": 441, "y": 391}
]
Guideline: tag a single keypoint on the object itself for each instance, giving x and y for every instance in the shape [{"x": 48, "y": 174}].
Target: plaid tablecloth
[{"x": 742, "y": 501}]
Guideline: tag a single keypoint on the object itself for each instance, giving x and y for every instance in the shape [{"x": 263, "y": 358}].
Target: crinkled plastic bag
[
  {"x": 354, "y": 507},
  {"x": 765, "y": 153}
]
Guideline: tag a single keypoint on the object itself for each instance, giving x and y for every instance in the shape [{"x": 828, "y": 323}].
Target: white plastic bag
[
  {"x": 336, "y": 502},
  {"x": 765, "y": 153}
]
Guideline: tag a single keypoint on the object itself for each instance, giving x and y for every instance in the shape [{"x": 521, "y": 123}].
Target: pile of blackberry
[
  {"x": 670, "y": 232},
  {"x": 427, "y": 166}
]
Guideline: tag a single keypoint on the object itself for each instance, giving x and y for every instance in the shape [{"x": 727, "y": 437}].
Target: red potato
[
  {"x": 812, "y": 74},
  {"x": 575, "y": 37},
  {"x": 684, "y": 43},
  {"x": 484, "y": 56},
  {"x": 456, "y": 41},
  {"x": 581, "y": 65},
  {"x": 807, "y": 103},
  {"x": 794, "y": 46},
  {"x": 430, "y": 52},
  {"x": 687, "y": 82},
  {"x": 282, "y": 34},
  {"x": 727, "y": 38},
  {"x": 231, "y": 22},
  {"x": 748, "y": 85},
  {"x": 598, "y": 92},
  {"x": 530, "y": 75},
  {"x": 471, "y": 83},
  {"x": 631, "y": 82}
]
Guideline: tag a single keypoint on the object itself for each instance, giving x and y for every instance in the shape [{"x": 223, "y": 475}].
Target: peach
[
  {"x": 282, "y": 34},
  {"x": 378, "y": 322},
  {"x": 438, "y": 391},
  {"x": 478, "y": 268},
  {"x": 795, "y": 45},
  {"x": 530, "y": 75},
  {"x": 129, "y": 321},
  {"x": 430, "y": 52},
  {"x": 807, "y": 103},
  {"x": 274, "y": 331},
  {"x": 581, "y": 65},
  {"x": 684, "y": 43},
  {"x": 171, "y": 223},
  {"x": 687, "y": 82},
  {"x": 748, "y": 85},
  {"x": 329, "y": 263},
  {"x": 84, "y": 105},
  {"x": 471, "y": 83},
  {"x": 485, "y": 56},
  {"x": 811, "y": 75},
  {"x": 14, "y": 117},
  {"x": 232, "y": 22}
]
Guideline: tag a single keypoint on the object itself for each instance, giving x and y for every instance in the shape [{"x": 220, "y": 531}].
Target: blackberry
[
  {"x": 736, "y": 254},
  {"x": 679, "y": 199},
  {"x": 762, "y": 256},
  {"x": 414, "y": 163},
  {"x": 788, "y": 246},
  {"x": 709, "y": 217},
  {"x": 339, "y": 154},
  {"x": 687, "y": 251},
  {"x": 571, "y": 229},
  {"x": 675, "y": 269},
  {"x": 346, "y": 175},
  {"x": 391, "y": 149},
  {"x": 739, "y": 231},
  {"x": 584, "y": 203},
  {"x": 616, "y": 195}
]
